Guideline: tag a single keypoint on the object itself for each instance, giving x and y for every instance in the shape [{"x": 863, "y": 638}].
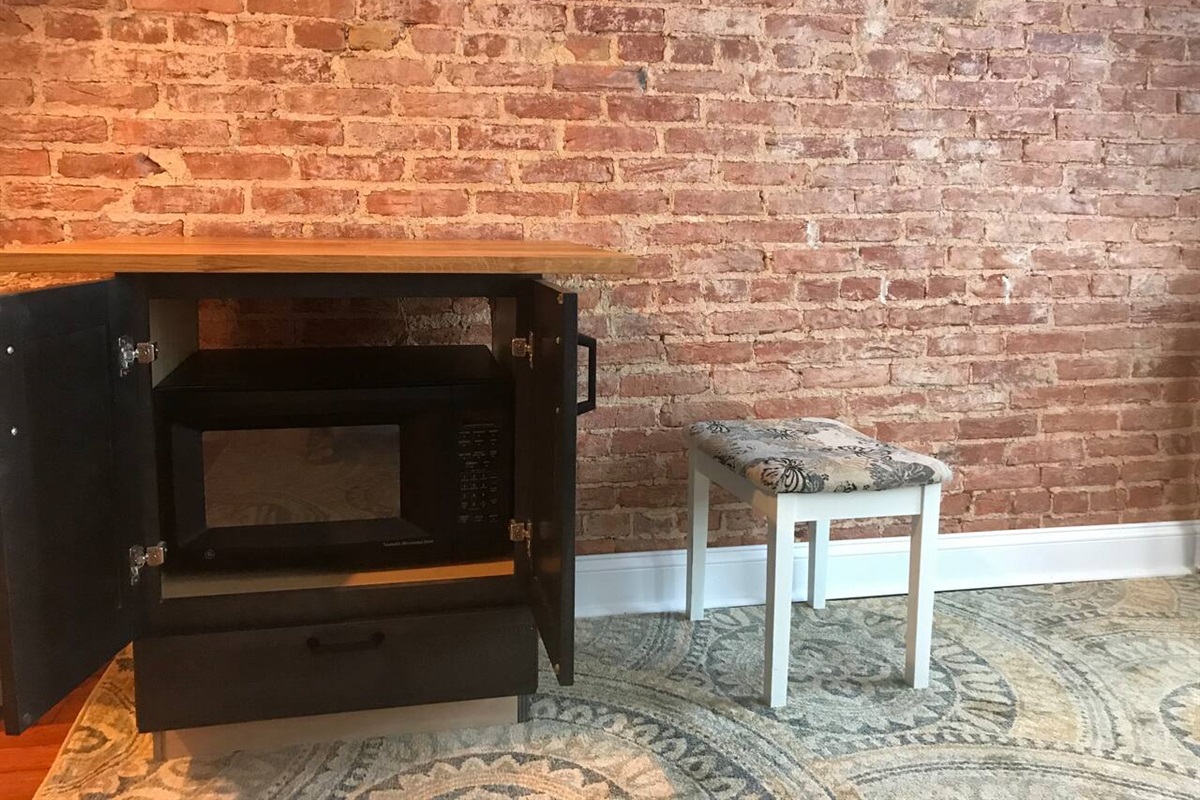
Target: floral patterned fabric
[{"x": 812, "y": 454}]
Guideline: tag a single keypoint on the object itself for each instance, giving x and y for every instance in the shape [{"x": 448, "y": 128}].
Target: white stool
[{"x": 800, "y": 470}]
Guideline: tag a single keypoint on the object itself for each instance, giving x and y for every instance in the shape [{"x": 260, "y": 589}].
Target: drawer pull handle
[{"x": 372, "y": 642}]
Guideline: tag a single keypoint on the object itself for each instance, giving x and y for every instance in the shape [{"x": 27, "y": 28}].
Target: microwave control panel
[{"x": 479, "y": 482}]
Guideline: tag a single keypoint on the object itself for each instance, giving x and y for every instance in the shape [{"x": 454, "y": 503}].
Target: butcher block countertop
[{"x": 190, "y": 254}]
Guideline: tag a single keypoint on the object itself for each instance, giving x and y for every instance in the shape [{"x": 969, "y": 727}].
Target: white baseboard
[{"x": 627, "y": 583}]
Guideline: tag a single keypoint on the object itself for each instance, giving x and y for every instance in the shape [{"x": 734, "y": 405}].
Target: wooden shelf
[
  {"x": 249, "y": 582},
  {"x": 188, "y": 254}
]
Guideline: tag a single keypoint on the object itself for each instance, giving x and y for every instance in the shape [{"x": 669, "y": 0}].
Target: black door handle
[
  {"x": 372, "y": 642},
  {"x": 590, "y": 404}
]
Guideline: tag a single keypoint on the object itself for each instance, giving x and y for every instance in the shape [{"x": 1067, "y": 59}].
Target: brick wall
[{"x": 965, "y": 225}]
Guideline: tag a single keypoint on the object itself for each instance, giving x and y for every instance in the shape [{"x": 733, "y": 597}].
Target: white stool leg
[
  {"x": 818, "y": 561},
  {"x": 780, "y": 556},
  {"x": 698, "y": 490},
  {"x": 922, "y": 566}
]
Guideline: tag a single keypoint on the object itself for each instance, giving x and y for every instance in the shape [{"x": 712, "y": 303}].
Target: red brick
[
  {"x": 523, "y": 204},
  {"x": 302, "y": 8},
  {"x": 998, "y": 427},
  {"x": 615, "y": 202},
  {"x": 274, "y": 68},
  {"x": 425, "y": 40},
  {"x": 775, "y": 381},
  {"x": 851, "y": 377},
  {"x": 259, "y": 33},
  {"x": 26, "y": 163},
  {"x": 552, "y": 106},
  {"x": 70, "y": 25},
  {"x": 171, "y": 132},
  {"x": 45, "y": 197},
  {"x": 791, "y": 84},
  {"x": 521, "y": 16},
  {"x": 388, "y": 71},
  {"x": 16, "y": 93},
  {"x": 709, "y": 353},
  {"x": 505, "y": 137},
  {"x": 29, "y": 231},
  {"x": 608, "y": 138},
  {"x": 107, "y": 229},
  {"x": 108, "y": 165},
  {"x": 640, "y": 48},
  {"x": 461, "y": 170},
  {"x": 590, "y": 48},
  {"x": 568, "y": 170},
  {"x": 754, "y": 321},
  {"x": 693, "y": 50},
  {"x": 984, "y": 94},
  {"x": 498, "y": 74},
  {"x": 326, "y": 166},
  {"x": 692, "y": 81},
  {"x": 188, "y": 200},
  {"x": 218, "y": 6},
  {"x": 1172, "y": 48},
  {"x": 220, "y": 99},
  {"x": 719, "y": 202},
  {"x": 589, "y": 78},
  {"x": 309, "y": 201},
  {"x": 45, "y": 128},
  {"x": 140, "y": 29},
  {"x": 200, "y": 31},
  {"x": 716, "y": 141},
  {"x": 653, "y": 109},
  {"x": 320, "y": 35},
  {"x": 424, "y": 203},
  {"x": 237, "y": 167},
  {"x": 664, "y": 385},
  {"x": 984, "y": 38},
  {"x": 1043, "y": 342},
  {"x": 440, "y": 105},
  {"x": 336, "y": 101},
  {"x": 606, "y": 19},
  {"x": 289, "y": 132},
  {"x": 108, "y": 95}
]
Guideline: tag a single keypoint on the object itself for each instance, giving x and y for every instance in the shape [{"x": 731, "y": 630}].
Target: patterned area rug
[{"x": 1070, "y": 691}]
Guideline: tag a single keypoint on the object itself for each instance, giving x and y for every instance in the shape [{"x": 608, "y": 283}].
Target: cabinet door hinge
[
  {"x": 130, "y": 352},
  {"x": 523, "y": 347},
  {"x": 520, "y": 532},
  {"x": 139, "y": 557}
]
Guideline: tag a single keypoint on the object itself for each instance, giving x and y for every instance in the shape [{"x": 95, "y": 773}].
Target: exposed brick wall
[{"x": 965, "y": 225}]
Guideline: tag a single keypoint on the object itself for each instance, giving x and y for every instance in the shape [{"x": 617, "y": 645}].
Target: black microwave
[{"x": 335, "y": 458}]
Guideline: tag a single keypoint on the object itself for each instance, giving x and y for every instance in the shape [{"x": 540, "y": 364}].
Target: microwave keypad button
[{"x": 479, "y": 482}]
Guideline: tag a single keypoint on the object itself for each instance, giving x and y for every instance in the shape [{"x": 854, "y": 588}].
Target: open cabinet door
[
  {"x": 552, "y": 535},
  {"x": 64, "y": 573}
]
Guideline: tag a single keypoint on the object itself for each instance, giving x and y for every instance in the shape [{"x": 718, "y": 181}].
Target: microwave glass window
[{"x": 290, "y": 475}]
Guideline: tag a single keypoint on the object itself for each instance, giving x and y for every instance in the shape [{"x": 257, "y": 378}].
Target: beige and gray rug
[{"x": 1088, "y": 691}]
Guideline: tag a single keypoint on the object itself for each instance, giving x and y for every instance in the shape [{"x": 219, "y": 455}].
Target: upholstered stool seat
[
  {"x": 812, "y": 455},
  {"x": 801, "y": 470}
]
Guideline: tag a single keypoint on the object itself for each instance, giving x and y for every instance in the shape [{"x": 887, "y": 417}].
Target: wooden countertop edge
[{"x": 317, "y": 256}]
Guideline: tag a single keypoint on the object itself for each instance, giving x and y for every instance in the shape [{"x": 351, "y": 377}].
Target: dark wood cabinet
[{"x": 81, "y": 474}]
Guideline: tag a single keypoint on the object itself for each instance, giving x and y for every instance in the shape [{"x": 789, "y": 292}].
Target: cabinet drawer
[{"x": 213, "y": 678}]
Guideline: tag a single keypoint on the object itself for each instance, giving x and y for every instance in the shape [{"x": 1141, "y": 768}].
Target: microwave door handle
[{"x": 590, "y": 404}]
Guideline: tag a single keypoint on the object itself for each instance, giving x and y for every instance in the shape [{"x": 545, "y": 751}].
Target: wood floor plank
[{"x": 26, "y": 759}]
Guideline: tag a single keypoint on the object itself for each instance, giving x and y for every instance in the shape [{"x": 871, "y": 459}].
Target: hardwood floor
[{"x": 25, "y": 759}]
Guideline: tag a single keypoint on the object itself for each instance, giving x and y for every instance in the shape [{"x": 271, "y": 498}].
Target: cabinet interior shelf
[{"x": 182, "y": 585}]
